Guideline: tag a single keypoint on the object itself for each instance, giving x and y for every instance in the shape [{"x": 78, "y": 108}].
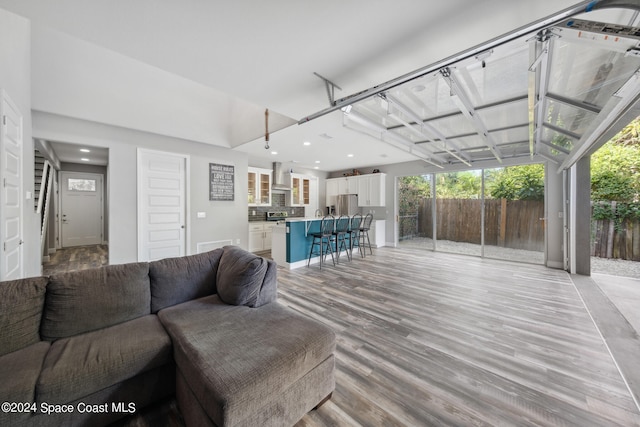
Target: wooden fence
[
  {"x": 609, "y": 241},
  {"x": 512, "y": 224},
  {"x": 519, "y": 227}
]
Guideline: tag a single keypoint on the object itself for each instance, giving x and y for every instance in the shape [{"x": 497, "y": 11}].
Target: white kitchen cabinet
[
  {"x": 377, "y": 233},
  {"x": 300, "y": 190},
  {"x": 260, "y": 234},
  {"x": 311, "y": 208},
  {"x": 331, "y": 191},
  {"x": 259, "y": 187},
  {"x": 336, "y": 186},
  {"x": 371, "y": 190}
]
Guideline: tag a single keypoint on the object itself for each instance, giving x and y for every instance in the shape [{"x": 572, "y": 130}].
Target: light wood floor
[{"x": 437, "y": 339}]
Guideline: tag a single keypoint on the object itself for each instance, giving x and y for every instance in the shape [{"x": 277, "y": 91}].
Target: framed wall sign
[{"x": 221, "y": 182}]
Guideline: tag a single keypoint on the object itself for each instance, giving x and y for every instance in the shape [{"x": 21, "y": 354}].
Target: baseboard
[
  {"x": 46, "y": 258},
  {"x": 555, "y": 264}
]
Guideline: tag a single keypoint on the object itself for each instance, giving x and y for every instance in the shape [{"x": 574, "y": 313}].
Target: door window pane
[{"x": 81, "y": 184}]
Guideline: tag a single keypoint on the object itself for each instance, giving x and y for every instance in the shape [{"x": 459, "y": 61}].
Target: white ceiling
[{"x": 253, "y": 54}]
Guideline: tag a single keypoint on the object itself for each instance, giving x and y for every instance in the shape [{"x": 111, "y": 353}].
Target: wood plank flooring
[
  {"x": 76, "y": 258},
  {"x": 432, "y": 339}
]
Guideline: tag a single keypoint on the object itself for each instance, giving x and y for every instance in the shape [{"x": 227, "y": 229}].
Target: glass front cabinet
[
  {"x": 300, "y": 190},
  {"x": 259, "y": 187}
]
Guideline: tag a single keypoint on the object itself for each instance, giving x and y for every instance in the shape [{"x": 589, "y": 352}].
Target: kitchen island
[{"x": 291, "y": 242}]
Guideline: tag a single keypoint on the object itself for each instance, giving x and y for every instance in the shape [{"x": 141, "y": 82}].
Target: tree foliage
[
  {"x": 615, "y": 168},
  {"x": 412, "y": 190},
  {"x": 516, "y": 183},
  {"x": 458, "y": 185}
]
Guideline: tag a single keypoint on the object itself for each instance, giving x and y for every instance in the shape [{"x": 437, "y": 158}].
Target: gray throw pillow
[{"x": 240, "y": 276}]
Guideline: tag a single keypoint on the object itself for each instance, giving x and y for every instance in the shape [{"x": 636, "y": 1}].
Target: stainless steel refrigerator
[{"x": 346, "y": 204}]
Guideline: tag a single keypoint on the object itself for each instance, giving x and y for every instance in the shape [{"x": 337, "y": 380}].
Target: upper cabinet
[
  {"x": 259, "y": 187},
  {"x": 331, "y": 191},
  {"x": 369, "y": 188},
  {"x": 303, "y": 190},
  {"x": 371, "y": 191}
]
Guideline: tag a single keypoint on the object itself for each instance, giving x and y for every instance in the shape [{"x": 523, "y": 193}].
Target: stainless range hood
[{"x": 281, "y": 179}]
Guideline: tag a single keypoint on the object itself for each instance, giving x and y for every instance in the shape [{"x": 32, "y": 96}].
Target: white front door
[
  {"x": 11, "y": 204},
  {"x": 81, "y": 208},
  {"x": 162, "y": 190}
]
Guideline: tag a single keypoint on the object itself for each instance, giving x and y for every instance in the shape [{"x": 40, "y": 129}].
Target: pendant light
[{"x": 266, "y": 129}]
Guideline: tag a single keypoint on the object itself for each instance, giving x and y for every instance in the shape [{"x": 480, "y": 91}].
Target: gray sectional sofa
[{"x": 94, "y": 346}]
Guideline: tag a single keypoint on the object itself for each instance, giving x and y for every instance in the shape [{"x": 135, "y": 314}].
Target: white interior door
[
  {"x": 162, "y": 190},
  {"x": 81, "y": 207},
  {"x": 11, "y": 204}
]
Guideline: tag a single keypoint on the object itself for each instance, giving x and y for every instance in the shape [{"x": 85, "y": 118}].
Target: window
[{"x": 74, "y": 184}]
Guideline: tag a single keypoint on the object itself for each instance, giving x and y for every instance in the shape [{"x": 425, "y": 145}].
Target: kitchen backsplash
[{"x": 259, "y": 213}]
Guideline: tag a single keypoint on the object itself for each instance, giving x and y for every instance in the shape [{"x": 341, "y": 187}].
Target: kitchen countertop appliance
[{"x": 277, "y": 216}]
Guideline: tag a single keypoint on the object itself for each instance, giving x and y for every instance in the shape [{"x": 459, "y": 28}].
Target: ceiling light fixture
[
  {"x": 306, "y": 143},
  {"x": 85, "y": 150},
  {"x": 84, "y": 159}
]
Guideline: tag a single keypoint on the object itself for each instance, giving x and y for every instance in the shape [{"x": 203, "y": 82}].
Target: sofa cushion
[
  {"x": 19, "y": 372},
  {"x": 176, "y": 280},
  {"x": 81, "y": 365},
  {"x": 87, "y": 300},
  {"x": 21, "y": 303},
  {"x": 238, "y": 360},
  {"x": 240, "y": 276}
]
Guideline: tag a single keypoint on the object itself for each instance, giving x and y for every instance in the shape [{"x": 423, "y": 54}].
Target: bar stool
[
  {"x": 322, "y": 239},
  {"x": 364, "y": 232},
  {"x": 354, "y": 233},
  {"x": 339, "y": 236}
]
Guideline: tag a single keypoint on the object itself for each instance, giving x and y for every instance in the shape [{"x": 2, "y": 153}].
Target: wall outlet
[
  {"x": 237, "y": 241},
  {"x": 253, "y": 212},
  {"x": 201, "y": 215}
]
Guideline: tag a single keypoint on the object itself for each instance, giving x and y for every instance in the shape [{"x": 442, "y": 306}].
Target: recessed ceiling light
[
  {"x": 274, "y": 152},
  {"x": 306, "y": 143},
  {"x": 317, "y": 161},
  {"x": 85, "y": 150},
  {"x": 349, "y": 155},
  {"x": 84, "y": 159},
  {"x": 418, "y": 88},
  {"x": 316, "y": 167}
]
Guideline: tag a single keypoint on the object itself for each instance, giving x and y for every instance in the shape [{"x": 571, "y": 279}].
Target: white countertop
[{"x": 303, "y": 219}]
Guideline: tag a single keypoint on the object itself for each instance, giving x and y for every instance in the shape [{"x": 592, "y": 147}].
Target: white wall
[
  {"x": 75, "y": 78},
  {"x": 15, "y": 79},
  {"x": 86, "y": 94},
  {"x": 224, "y": 220}
]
